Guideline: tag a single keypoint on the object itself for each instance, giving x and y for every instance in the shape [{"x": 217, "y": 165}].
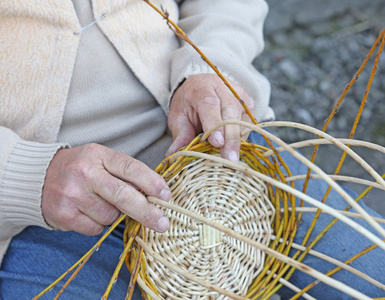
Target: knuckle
[
  {"x": 68, "y": 217},
  {"x": 157, "y": 184},
  {"x": 231, "y": 111},
  {"x": 249, "y": 102},
  {"x": 81, "y": 170},
  {"x": 92, "y": 148},
  {"x": 119, "y": 195},
  {"x": 211, "y": 101},
  {"x": 130, "y": 168},
  {"x": 110, "y": 216},
  {"x": 71, "y": 192}
]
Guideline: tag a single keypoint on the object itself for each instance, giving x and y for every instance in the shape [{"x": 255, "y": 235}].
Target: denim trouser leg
[
  {"x": 36, "y": 257},
  {"x": 341, "y": 242}
]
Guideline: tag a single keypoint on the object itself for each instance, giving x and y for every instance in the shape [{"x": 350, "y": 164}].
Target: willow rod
[{"x": 300, "y": 266}]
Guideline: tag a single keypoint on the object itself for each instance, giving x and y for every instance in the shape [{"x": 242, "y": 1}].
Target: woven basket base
[{"x": 228, "y": 197}]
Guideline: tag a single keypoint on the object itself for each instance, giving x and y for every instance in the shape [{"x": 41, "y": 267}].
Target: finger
[
  {"x": 187, "y": 116},
  {"x": 131, "y": 202},
  {"x": 245, "y": 131},
  {"x": 209, "y": 110},
  {"x": 182, "y": 131},
  {"x": 98, "y": 210},
  {"x": 75, "y": 220},
  {"x": 245, "y": 117},
  {"x": 230, "y": 110},
  {"x": 85, "y": 225},
  {"x": 136, "y": 173}
]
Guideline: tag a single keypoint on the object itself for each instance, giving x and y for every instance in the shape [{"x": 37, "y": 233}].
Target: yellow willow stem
[
  {"x": 127, "y": 248},
  {"x": 134, "y": 275},
  {"x": 273, "y": 287},
  {"x": 182, "y": 35},
  {"x": 327, "y": 122},
  {"x": 381, "y": 38},
  {"x": 85, "y": 256},
  {"x": 363, "y": 103},
  {"x": 357, "y": 118},
  {"x": 335, "y": 270},
  {"x": 72, "y": 277},
  {"x": 147, "y": 279},
  {"x": 375, "y": 66},
  {"x": 324, "y": 231},
  {"x": 342, "y": 97}
]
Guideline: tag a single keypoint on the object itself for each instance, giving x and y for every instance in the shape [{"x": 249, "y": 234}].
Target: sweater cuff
[{"x": 23, "y": 181}]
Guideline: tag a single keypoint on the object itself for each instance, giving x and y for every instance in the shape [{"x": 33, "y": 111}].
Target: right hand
[
  {"x": 200, "y": 103},
  {"x": 87, "y": 187}
]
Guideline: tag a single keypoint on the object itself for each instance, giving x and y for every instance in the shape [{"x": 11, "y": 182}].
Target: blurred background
[{"x": 313, "y": 49}]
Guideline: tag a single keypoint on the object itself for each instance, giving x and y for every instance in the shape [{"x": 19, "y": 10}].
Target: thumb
[{"x": 183, "y": 132}]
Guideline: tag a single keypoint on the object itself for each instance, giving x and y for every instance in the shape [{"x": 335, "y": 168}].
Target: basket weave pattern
[{"x": 229, "y": 197}]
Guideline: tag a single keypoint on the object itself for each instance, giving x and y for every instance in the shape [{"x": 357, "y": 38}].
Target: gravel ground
[{"x": 313, "y": 49}]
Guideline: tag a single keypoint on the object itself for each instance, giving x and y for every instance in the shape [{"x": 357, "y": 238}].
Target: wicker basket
[
  {"x": 224, "y": 195},
  {"x": 225, "y": 218}
]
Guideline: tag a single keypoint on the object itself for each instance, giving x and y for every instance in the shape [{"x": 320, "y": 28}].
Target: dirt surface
[{"x": 313, "y": 49}]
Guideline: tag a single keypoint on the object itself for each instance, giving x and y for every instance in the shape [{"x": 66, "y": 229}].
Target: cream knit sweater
[
  {"x": 38, "y": 48},
  {"x": 107, "y": 104}
]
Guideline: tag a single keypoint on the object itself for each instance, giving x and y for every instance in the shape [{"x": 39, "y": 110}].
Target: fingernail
[
  {"x": 218, "y": 137},
  {"x": 233, "y": 156},
  {"x": 162, "y": 224},
  {"x": 168, "y": 153},
  {"x": 165, "y": 195}
]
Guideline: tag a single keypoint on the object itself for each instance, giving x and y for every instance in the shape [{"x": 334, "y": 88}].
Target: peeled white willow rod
[
  {"x": 338, "y": 178},
  {"x": 322, "y": 141},
  {"x": 293, "y": 191},
  {"x": 326, "y": 136},
  {"x": 337, "y": 263},
  {"x": 292, "y": 287},
  {"x": 315, "y": 168},
  {"x": 300, "y": 266},
  {"x": 182, "y": 272},
  {"x": 309, "y": 164},
  {"x": 285, "y": 147},
  {"x": 345, "y": 213},
  {"x": 144, "y": 286}
]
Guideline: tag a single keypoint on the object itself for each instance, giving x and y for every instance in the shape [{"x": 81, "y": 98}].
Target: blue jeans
[
  {"x": 341, "y": 242},
  {"x": 36, "y": 257}
]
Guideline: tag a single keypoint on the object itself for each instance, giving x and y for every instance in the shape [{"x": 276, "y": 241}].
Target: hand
[
  {"x": 87, "y": 187},
  {"x": 201, "y": 102}
]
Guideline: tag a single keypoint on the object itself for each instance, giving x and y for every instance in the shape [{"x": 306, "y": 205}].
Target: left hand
[{"x": 201, "y": 102}]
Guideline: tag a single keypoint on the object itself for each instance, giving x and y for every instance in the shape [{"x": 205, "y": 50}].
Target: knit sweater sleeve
[
  {"x": 23, "y": 166},
  {"x": 230, "y": 34}
]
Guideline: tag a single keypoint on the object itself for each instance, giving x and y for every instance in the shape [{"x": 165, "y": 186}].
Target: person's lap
[
  {"x": 36, "y": 257},
  {"x": 341, "y": 242}
]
